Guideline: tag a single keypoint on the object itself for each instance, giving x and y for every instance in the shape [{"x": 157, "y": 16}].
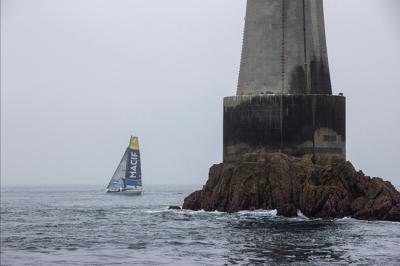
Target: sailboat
[{"x": 127, "y": 178}]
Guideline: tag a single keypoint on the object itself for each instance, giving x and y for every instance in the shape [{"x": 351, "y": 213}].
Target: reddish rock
[
  {"x": 330, "y": 188},
  {"x": 288, "y": 210}
]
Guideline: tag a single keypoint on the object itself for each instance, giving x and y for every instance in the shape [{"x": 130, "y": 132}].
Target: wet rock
[
  {"x": 287, "y": 210},
  {"x": 174, "y": 208},
  {"x": 330, "y": 188}
]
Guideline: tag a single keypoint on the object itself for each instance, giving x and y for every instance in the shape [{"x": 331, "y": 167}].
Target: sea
[{"x": 82, "y": 225}]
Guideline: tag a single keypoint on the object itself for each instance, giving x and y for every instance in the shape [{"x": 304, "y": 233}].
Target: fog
[{"x": 79, "y": 76}]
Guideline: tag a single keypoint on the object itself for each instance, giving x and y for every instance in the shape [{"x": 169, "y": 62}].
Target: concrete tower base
[{"x": 293, "y": 124}]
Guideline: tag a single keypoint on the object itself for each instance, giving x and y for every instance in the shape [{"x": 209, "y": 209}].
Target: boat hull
[{"x": 127, "y": 192}]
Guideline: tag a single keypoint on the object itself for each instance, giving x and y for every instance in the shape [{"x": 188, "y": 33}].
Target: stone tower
[{"x": 284, "y": 99}]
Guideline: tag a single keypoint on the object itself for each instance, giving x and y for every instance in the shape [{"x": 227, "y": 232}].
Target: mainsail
[
  {"x": 128, "y": 175},
  {"x": 133, "y": 174}
]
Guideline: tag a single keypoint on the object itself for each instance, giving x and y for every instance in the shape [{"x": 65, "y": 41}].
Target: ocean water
[{"x": 85, "y": 226}]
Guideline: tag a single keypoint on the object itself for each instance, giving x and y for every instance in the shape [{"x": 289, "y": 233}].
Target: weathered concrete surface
[
  {"x": 284, "y": 99},
  {"x": 331, "y": 188},
  {"x": 293, "y": 124},
  {"x": 284, "y": 48}
]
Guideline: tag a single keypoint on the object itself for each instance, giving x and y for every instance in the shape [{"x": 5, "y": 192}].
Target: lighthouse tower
[{"x": 284, "y": 100}]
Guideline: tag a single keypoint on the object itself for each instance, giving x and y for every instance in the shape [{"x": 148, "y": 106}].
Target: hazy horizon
[{"x": 78, "y": 77}]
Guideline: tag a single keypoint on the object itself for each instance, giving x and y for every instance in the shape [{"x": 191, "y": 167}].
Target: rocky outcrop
[
  {"x": 329, "y": 188},
  {"x": 173, "y": 207},
  {"x": 288, "y": 210}
]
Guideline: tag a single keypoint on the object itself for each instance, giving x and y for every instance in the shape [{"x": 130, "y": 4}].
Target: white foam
[
  {"x": 301, "y": 215},
  {"x": 259, "y": 213}
]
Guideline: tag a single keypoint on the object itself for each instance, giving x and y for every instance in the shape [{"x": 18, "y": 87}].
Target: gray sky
[{"x": 79, "y": 76}]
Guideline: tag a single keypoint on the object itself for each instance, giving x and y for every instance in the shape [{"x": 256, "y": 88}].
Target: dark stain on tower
[
  {"x": 297, "y": 80},
  {"x": 320, "y": 78},
  {"x": 284, "y": 99}
]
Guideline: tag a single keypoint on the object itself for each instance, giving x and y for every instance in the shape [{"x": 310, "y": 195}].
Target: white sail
[{"x": 117, "y": 180}]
